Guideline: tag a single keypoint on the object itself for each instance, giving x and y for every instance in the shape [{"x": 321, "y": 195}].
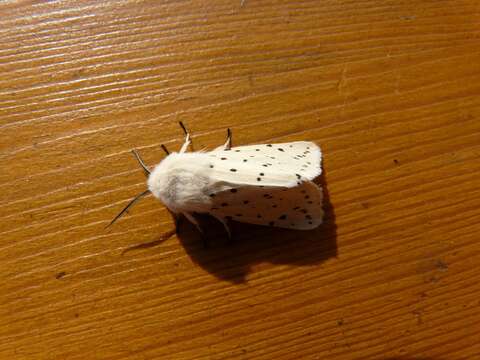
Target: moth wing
[
  {"x": 298, "y": 207},
  {"x": 286, "y": 164}
]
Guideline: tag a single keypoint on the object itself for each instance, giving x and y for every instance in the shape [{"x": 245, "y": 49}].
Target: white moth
[{"x": 267, "y": 184}]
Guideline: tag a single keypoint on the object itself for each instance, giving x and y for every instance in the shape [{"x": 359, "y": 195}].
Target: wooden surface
[{"x": 389, "y": 89}]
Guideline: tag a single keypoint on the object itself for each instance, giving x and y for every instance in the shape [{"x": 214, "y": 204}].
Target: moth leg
[
  {"x": 225, "y": 225},
  {"x": 188, "y": 141},
  {"x": 228, "y": 143},
  {"x": 194, "y": 221}
]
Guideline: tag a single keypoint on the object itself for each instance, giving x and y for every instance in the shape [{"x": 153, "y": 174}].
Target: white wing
[
  {"x": 287, "y": 164},
  {"x": 298, "y": 207}
]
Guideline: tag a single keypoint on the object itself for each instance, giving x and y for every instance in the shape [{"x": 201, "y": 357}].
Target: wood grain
[{"x": 389, "y": 89}]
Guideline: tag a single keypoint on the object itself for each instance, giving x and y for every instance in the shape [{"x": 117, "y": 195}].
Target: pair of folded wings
[{"x": 268, "y": 184}]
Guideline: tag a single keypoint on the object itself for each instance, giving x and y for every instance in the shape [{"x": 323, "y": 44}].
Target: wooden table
[{"x": 391, "y": 92}]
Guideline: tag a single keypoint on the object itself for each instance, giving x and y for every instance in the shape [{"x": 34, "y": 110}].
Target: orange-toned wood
[{"x": 389, "y": 89}]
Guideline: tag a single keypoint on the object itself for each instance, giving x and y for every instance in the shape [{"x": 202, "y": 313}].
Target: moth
[{"x": 266, "y": 184}]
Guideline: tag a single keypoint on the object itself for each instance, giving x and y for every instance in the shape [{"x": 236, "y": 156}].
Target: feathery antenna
[
  {"x": 129, "y": 205},
  {"x": 146, "y": 171}
]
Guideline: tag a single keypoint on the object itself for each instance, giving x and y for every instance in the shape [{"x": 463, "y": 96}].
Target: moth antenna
[
  {"x": 130, "y": 204},
  {"x": 165, "y": 149},
  {"x": 183, "y": 127},
  {"x": 146, "y": 171}
]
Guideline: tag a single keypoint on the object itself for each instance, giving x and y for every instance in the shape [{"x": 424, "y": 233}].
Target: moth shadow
[{"x": 253, "y": 244}]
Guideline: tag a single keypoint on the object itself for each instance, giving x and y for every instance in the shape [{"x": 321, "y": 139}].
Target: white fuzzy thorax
[{"x": 182, "y": 181}]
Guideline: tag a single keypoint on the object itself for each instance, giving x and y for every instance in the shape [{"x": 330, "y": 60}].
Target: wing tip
[{"x": 317, "y": 166}]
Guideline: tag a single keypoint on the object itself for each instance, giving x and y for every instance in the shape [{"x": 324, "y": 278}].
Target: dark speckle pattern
[{"x": 299, "y": 205}]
